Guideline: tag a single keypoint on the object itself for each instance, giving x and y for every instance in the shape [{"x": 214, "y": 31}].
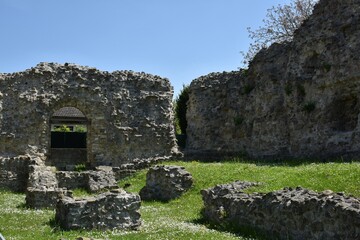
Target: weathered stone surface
[
  {"x": 128, "y": 169},
  {"x": 65, "y": 159},
  {"x": 165, "y": 183},
  {"x": 46, "y": 185},
  {"x": 111, "y": 210},
  {"x": 71, "y": 179},
  {"x": 97, "y": 180},
  {"x": 129, "y": 114},
  {"x": 92, "y": 181},
  {"x": 41, "y": 177},
  {"x": 45, "y": 197},
  {"x": 289, "y": 213},
  {"x": 42, "y": 190},
  {"x": 297, "y": 99},
  {"x": 14, "y": 173}
]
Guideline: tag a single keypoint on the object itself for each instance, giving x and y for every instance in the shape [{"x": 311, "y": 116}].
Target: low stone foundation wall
[
  {"x": 92, "y": 181},
  {"x": 45, "y": 198},
  {"x": 128, "y": 169},
  {"x": 70, "y": 179},
  {"x": 111, "y": 210},
  {"x": 14, "y": 173},
  {"x": 289, "y": 213},
  {"x": 46, "y": 186}
]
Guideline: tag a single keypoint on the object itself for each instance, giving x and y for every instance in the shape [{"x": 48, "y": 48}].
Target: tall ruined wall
[
  {"x": 297, "y": 99},
  {"x": 129, "y": 114}
]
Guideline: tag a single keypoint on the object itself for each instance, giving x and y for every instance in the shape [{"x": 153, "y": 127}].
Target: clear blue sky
[{"x": 180, "y": 40}]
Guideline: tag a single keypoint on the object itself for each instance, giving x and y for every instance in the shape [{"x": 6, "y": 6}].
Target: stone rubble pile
[
  {"x": 165, "y": 183},
  {"x": 289, "y": 213}
]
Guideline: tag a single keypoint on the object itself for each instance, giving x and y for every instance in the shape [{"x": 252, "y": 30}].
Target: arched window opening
[
  {"x": 68, "y": 145},
  {"x": 68, "y": 128}
]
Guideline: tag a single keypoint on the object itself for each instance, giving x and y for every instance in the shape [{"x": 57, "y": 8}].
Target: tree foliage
[
  {"x": 279, "y": 25},
  {"x": 181, "y": 108},
  {"x": 62, "y": 128}
]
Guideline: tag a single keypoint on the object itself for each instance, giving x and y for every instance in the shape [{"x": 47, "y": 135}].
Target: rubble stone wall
[
  {"x": 110, "y": 210},
  {"x": 45, "y": 198},
  {"x": 14, "y": 173},
  {"x": 92, "y": 181},
  {"x": 41, "y": 176},
  {"x": 129, "y": 114},
  {"x": 297, "y": 99},
  {"x": 285, "y": 214}
]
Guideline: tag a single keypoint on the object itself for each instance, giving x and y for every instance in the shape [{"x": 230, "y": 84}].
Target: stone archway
[{"x": 68, "y": 138}]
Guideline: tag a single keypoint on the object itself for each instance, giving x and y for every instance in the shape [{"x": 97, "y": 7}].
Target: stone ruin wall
[
  {"x": 284, "y": 214},
  {"x": 14, "y": 173},
  {"x": 129, "y": 114},
  {"x": 297, "y": 99}
]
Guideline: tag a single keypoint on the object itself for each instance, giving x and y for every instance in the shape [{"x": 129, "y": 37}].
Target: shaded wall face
[
  {"x": 297, "y": 99},
  {"x": 129, "y": 113}
]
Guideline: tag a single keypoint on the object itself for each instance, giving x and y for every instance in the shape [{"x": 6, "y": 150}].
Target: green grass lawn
[{"x": 181, "y": 219}]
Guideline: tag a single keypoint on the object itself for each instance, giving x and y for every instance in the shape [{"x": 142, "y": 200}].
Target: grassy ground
[{"x": 181, "y": 219}]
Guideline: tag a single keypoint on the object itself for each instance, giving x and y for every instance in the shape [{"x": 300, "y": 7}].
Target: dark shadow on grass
[
  {"x": 269, "y": 161},
  {"x": 55, "y": 227},
  {"x": 22, "y": 206},
  {"x": 155, "y": 201},
  {"x": 291, "y": 162},
  {"x": 244, "y": 232}
]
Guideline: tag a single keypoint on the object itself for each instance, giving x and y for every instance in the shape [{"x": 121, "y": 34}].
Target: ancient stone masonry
[
  {"x": 165, "y": 183},
  {"x": 128, "y": 169},
  {"x": 41, "y": 176},
  {"x": 111, "y": 210},
  {"x": 14, "y": 173},
  {"x": 297, "y": 99},
  {"x": 39, "y": 198},
  {"x": 285, "y": 214},
  {"x": 92, "y": 181},
  {"x": 128, "y": 115},
  {"x": 46, "y": 185}
]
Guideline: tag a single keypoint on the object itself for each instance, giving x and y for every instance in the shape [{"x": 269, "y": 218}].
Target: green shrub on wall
[
  {"x": 238, "y": 120},
  {"x": 288, "y": 89},
  {"x": 309, "y": 107},
  {"x": 80, "y": 167}
]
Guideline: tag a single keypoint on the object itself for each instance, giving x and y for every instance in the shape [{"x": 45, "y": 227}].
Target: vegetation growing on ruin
[
  {"x": 180, "y": 218},
  {"x": 80, "y": 167},
  {"x": 180, "y": 121},
  {"x": 238, "y": 120},
  {"x": 309, "y": 106},
  {"x": 181, "y": 108},
  {"x": 288, "y": 89},
  {"x": 279, "y": 26}
]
